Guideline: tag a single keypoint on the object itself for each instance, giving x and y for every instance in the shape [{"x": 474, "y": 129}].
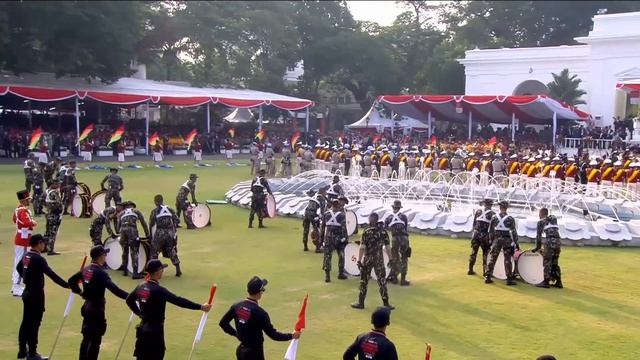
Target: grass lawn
[{"x": 596, "y": 316}]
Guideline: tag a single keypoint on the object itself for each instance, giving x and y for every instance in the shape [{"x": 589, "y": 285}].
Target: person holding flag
[
  {"x": 286, "y": 160},
  {"x": 121, "y": 146},
  {"x": 250, "y": 322},
  {"x": 374, "y": 345},
  {"x": 154, "y": 143},
  {"x": 149, "y": 300},
  {"x": 95, "y": 280},
  {"x": 24, "y": 226}
]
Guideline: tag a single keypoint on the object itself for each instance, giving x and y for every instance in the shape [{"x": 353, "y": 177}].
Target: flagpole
[
  {"x": 260, "y": 117},
  {"x": 208, "y": 119},
  {"x": 146, "y": 129},
  {"x": 77, "y": 125}
]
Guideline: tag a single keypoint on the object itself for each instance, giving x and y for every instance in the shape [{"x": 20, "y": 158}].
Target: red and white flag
[{"x": 292, "y": 350}]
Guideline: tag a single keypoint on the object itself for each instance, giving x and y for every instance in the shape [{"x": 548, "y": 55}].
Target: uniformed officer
[
  {"x": 103, "y": 220},
  {"x": 116, "y": 185},
  {"x": 269, "y": 160},
  {"x": 335, "y": 190},
  {"x": 28, "y": 167},
  {"x": 24, "y": 227},
  {"x": 480, "y": 238},
  {"x": 149, "y": 300},
  {"x": 334, "y": 232},
  {"x": 374, "y": 240},
  {"x": 37, "y": 176},
  {"x": 548, "y": 225},
  {"x": 335, "y": 160},
  {"x": 53, "y": 203},
  {"x": 189, "y": 187},
  {"x": 367, "y": 162},
  {"x": 504, "y": 237},
  {"x": 51, "y": 170},
  {"x": 94, "y": 281},
  {"x": 258, "y": 187},
  {"x": 400, "y": 249},
  {"x": 255, "y": 161},
  {"x": 165, "y": 238},
  {"x": 374, "y": 345},
  {"x": 307, "y": 159},
  {"x": 315, "y": 208},
  {"x": 250, "y": 322},
  {"x": 127, "y": 227},
  {"x": 69, "y": 184},
  {"x": 347, "y": 159},
  {"x": 32, "y": 268},
  {"x": 286, "y": 160}
]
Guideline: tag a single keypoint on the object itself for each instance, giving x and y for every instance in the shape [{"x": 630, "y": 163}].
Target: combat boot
[
  {"x": 471, "y": 272},
  {"x": 511, "y": 282},
  {"x": 387, "y": 305},
  {"x": 178, "y": 271},
  {"x": 306, "y": 248},
  {"x": 342, "y": 276},
  {"x": 250, "y": 223},
  {"x": 360, "y": 303},
  {"x": 318, "y": 251},
  {"x": 487, "y": 280},
  {"x": 260, "y": 225},
  {"x": 137, "y": 276},
  {"x": 543, "y": 284},
  {"x": 392, "y": 279},
  {"x": 327, "y": 276},
  {"x": 404, "y": 281},
  {"x": 125, "y": 272},
  {"x": 558, "y": 283}
]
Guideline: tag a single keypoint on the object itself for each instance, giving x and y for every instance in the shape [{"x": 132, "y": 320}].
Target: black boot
[
  {"x": 558, "y": 283},
  {"x": 392, "y": 279},
  {"x": 260, "y": 225},
  {"x": 22, "y": 352},
  {"x": 250, "y": 223},
  {"x": 404, "y": 281},
  {"x": 543, "y": 284},
  {"x": 511, "y": 282},
  {"x": 136, "y": 275},
  {"x": 487, "y": 279},
  {"x": 327, "y": 276},
  {"x": 36, "y": 356},
  {"x": 471, "y": 272},
  {"x": 387, "y": 305},
  {"x": 359, "y": 304},
  {"x": 306, "y": 248},
  {"x": 342, "y": 276},
  {"x": 178, "y": 271}
]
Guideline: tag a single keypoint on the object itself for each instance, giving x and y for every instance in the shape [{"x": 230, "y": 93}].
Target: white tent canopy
[
  {"x": 239, "y": 115},
  {"x": 373, "y": 120},
  {"x": 409, "y": 122}
]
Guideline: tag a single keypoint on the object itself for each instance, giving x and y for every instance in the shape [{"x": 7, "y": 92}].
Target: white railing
[{"x": 575, "y": 143}]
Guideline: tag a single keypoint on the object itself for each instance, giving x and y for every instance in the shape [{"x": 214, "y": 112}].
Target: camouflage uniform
[
  {"x": 312, "y": 218},
  {"x": 269, "y": 159},
  {"x": 37, "y": 178},
  {"x": 334, "y": 191},
  {"x": 95, "y": 230},
  {"x": 400, "y": 249},
  {"x": 113, "y": 192},
  {"x": 334, "y": 229},
  {"x": 551, "y": 250},
  {"x": 29, "y": 166},
  {"x": 480, "y": 238},
  {"x": 53, "y": 202},
  {"x": 347, "y": 161},
  {"x": 504, "y": 237},
  {"x": 258, "y": 187},
  {"x": 335, "y": 161},
  {"x": 286, "y": 162},
  {"x": 50, "y": 172},
  {"x": 373, "y": 241},
  {"x": 69, "y": 183},
  {"x": 164, "y": 239},
  {"x": 129, "y": 239},
  {"x": 182, "y": 204}
]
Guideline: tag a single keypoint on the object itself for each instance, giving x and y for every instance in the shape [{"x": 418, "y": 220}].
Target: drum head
[
  {"x": 271, "y": 206},
  {"x": 200, "y": 215},
  {"x": 352, "y": 222},
  {"x": 530, "y": 267},
  {"x": 80, "y": 205},
  {"x": 97, "y": 202},
  {"x": 499, "y": 270},
  {"x": 143, "y": 255},
  {"x": 351, "y": 261},
  {"x": 114, "y": 257}
]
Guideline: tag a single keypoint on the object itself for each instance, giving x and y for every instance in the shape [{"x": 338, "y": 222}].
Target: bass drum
[
  {"x": 498, "y": 269},
  {"x": 82, "y": 188},
  {"x": 352, "y": 222},
  {"x": 144, "y": 250},
  {"x": 97, "y": 202},
  {"x": 114, "y": 256},
  {"x": 271, "y": 205},
  {"x": 351, "y": 261},
  {"x": 80, "y": 206},
  {"x": 530, "y": 267},
  {"x": 201, "y": 215}
]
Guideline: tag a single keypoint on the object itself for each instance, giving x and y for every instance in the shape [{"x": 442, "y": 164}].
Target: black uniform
[
  {"x": 373, "y": 345},
  {"x": 250, "y": 320},
  {"x": 149, "y": 300},
  {"x": 32, "y": 268},
  {"x": 258, "y": 187},
  {"x": 94, "y": 281}
]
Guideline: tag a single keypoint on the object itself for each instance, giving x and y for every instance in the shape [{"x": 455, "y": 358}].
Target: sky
[{"x": 382, "y": 12}]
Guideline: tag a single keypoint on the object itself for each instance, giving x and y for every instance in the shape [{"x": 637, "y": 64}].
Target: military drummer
[
  {"x": 99, "y": 223},
  {"x": 398, "y": 223},
  {"x": 548, "y": 225},
  {"x": 116, "y": 185},
  {"x": 504, "y": 237},
  {"x": 164, "y": 239}
]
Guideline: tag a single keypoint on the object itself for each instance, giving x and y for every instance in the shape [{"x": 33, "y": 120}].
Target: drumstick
[
  {"x": 67, "y": 310},
  {"x": 203, "y": 321}
]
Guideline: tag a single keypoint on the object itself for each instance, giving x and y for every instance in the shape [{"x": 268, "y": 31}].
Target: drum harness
[
  {"x": 395, "y": 219},
  {"x": 332, "y": 190},
  {"x": 502, "y": 227},
  {"x": 333, "y": 221},
  {"x": 127, "y": 213}
]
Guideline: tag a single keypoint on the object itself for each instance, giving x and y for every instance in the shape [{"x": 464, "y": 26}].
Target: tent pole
[
  {"x": 555, "y": 125},
  {"x": 393, "y": 122},
  {"x": 260, "y": 118},
  {"x": 306, "y": 125},
  {"x": 208, "y": 119},
  {"x": 78, "y": 125},
  {"x": 429, "y": 123},
  {"x": 29, "y": 117},
  {"x": 513, "y": 127},
  {"x": 470, "y": 123},
  {"x": 146, "y": 129}
]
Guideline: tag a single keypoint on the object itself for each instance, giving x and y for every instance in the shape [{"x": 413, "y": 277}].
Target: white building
[{"x": 611, "y": 53}]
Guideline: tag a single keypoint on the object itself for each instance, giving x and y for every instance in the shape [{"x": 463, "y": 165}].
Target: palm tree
[{"x": 565, "y": 88}]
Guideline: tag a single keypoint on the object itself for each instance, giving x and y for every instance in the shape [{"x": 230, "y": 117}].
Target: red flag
[
  {"x": 301, "y": 323},
  {"x": 117, "y": 135},
  {"x": 377, "y": 137},
  {"x": 434, "y": 140},
  {"x": 35, "y": 137},
  {"x": 261, "y": 134},
  {"x": 190, "y": 137},
  {"x": 427, "y": 354},
  {"x": 154, "y": 138},
  {"x": 294, "y": 139},
  {"x": 492, "y": 141}
]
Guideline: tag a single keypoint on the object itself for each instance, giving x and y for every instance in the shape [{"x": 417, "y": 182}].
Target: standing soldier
[
  {"x": 269, "y": 159},
  {"x": 411, "y": 165},
  {"x": 258, "y": 187},
  {"x": 69, "y": 184},
  {"x": 120, "y": 150},
  {"x": 103, "y": 220},
  {"x": 480, "y": 238},
  {"x": 316, "y": 207},
  {"x": 366, "y": 164},
  {"x": 374, "y": 240},
  {"x": 513, "y": 170},
  {"x": 189, "y": 187},
  {"x": 286, "y": 159},
  {"x": 255, "y": 162},
  {"x": 116, "y": 185},
  {"x": 95, "y": 281},
  {"x": 335, "y": 190},
  {"x": 250, "y": 322},
  {"x": 38, "y": 188},
  {"x": 457, "y": 166},
  {"x": 53, "y": 203},
  {"x": 335, "y": 160},
  {"x": 347, "y": 159},
  {"x": 504, "y": 237},
  {"x": 197, "y": 151},
  {"x": 619, "y": 178},
  {"x": 51, "y": 170},
  {"x": 127, "y": 227},
  {"x": 374, "y": 345},
  {"x": 32, "y": 268},
  {"x": 334, "y": 233},
  {"x": 149, "y": 300},
  {"x": 164, "y": 239},
  {"x": 157, "y": 152},
  {"x": 400, "y": 249},
  {"x": 499, "y": 167},
  {"x": 308, "y": 159},
  {"x": 548, "y": 225},
  {"x": 24, "y": 226},
  {"x": 28, "y": 167}
]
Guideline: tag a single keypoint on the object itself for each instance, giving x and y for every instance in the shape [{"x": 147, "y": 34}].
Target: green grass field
[{"x": 597, "y": 315}]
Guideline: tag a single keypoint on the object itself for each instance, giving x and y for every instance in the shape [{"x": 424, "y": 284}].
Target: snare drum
[
  {"x": 351, "y": 252},
  {"x": 201, "y": 215},
  {"x": 498, "y": 269},
  {"x": 352, "y": 222},
  {"x": 270, "y": 205},
  {"x": 82, "y": 188},
  {"x": 80, "y": 206},
  {"x": 530, "y": 267}
]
